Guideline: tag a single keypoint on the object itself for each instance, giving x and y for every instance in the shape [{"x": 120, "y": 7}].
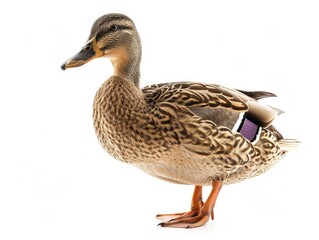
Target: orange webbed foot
[
  {"x": 199, "y": 213},
  {"x": 196, "y": 207},
  {"x": 176, "y": 216},
  {"x": 190, "y": 222}
]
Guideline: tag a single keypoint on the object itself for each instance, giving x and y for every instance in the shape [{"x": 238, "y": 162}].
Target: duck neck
[
  {"x": 118, "y": 100},
  {"x": 126, "y": 63}
]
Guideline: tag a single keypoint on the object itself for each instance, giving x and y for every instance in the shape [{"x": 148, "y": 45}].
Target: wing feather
[{"x": 193, "y": 95}]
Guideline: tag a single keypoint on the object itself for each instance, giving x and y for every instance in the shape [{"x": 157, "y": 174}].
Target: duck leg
[
  {"x": 196, "y": 206},
  {"x": 201, "y": 217}
]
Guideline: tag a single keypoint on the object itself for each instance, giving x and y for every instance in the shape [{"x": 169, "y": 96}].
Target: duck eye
[
  {"x": 87, "y": 47},
  {"x": 114, "y": 27}
]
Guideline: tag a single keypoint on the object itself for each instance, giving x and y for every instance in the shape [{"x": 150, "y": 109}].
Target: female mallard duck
[{"x": 187, "y": 133}]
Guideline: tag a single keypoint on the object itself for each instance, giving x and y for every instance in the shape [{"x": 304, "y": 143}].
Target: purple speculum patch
[{"x": 248, "y": 129}]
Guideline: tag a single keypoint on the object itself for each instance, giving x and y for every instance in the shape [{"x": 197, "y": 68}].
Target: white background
[{"x": 56, "y": 182}]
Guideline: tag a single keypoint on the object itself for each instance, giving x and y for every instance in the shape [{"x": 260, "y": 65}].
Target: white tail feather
[{"x": 288, "y": 144}]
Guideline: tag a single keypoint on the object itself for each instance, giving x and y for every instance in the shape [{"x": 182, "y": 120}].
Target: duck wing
[{"x": 223, "y": 106}]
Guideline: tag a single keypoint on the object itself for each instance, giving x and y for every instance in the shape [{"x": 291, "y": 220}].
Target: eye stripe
[{"x": 100, "y": 35}]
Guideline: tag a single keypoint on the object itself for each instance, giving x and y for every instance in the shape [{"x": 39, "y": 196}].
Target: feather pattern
[
  {"x": 158, "y": 130},
  {"x": 193, "y": 95}
]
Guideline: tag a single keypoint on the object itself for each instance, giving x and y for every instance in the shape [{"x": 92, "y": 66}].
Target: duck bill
[{"x": 87, "y": 53}]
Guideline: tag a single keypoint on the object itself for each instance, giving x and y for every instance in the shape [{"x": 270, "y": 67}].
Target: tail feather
[
  {"x": 288, "y": 144},
  {"x": 258, "y": 94}
]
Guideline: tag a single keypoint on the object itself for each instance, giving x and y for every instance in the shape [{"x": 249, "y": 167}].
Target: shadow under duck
[{"x": 181, "y": 132}]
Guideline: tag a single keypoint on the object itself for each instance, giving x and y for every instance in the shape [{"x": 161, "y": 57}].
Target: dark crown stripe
[{"x": 102, "y": 34}]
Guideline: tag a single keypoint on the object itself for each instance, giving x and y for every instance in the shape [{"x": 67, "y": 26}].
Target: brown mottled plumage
[{"x": 188, "y": 133}]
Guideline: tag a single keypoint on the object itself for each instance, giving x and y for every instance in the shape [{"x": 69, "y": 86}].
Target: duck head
[{"x": 114, "y": 36}]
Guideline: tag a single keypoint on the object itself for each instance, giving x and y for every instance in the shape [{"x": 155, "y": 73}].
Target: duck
[{"x": 182, "y": 132}]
